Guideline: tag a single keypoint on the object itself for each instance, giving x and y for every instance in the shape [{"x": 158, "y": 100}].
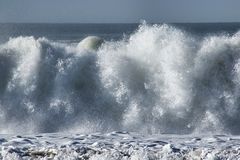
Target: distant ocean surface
[
  {"x": 76, "y": 32},
  {"x": 146, "y": 78}
]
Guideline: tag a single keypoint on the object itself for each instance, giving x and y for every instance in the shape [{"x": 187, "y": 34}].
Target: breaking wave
[{"x": 158, "y": 80}]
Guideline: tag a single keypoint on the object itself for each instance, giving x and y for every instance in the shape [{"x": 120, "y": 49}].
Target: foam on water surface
[{"x": 119, "y": 146}]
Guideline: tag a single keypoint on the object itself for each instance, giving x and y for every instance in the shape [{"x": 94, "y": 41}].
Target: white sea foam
[
  {"x": 118, "y": 146},
  {"x": 159, "y": 80}
]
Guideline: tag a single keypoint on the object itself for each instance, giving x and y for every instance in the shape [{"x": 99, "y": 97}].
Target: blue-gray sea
[{"x": 120, "y": 91}]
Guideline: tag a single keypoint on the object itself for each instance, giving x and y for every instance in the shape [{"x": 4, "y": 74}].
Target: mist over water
[{"x": 159, "y": 79}]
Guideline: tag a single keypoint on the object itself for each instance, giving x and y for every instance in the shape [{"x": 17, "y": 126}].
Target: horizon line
[{"x": 117, "y": 22}]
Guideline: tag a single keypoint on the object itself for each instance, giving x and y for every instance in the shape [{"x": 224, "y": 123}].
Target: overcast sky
[{"x": 119, "y": 11}]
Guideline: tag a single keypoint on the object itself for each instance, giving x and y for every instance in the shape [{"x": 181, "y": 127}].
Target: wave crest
[{"x": 159, "y": 80}]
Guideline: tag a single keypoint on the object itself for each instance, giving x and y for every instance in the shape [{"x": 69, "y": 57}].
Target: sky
[{"x": 119, "y": 11}]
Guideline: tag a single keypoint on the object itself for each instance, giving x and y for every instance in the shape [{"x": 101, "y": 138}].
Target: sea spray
[{"x": 159, "y": 80}]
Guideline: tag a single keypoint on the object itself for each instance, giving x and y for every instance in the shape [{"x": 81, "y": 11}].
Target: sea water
[{"x": 120, "y": 85}]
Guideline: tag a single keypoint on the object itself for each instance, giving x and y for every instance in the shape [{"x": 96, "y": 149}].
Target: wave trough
[{"x": 158, "y": 80}]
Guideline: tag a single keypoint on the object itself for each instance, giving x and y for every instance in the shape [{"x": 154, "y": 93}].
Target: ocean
[{"x": 120, "y": 91}]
